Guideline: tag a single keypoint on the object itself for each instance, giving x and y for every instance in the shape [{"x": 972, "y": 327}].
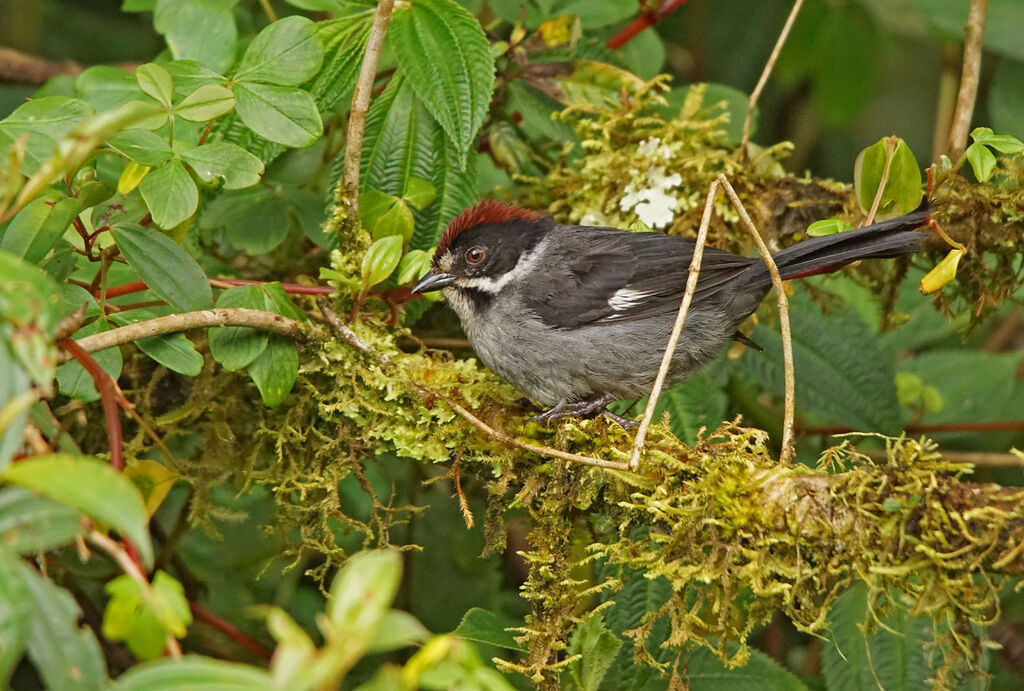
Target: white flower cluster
[{"x": 652, "y": 204}]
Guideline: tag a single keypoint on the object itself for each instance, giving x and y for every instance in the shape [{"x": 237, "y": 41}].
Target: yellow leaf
[
  {"x": 153, "y": 479},
  {"x": 564, "y": 30},
  {"x": 943, "y": 273},
  {"x": 131, "y": 176}
]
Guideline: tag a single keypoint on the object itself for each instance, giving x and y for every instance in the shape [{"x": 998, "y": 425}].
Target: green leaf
[
  {"x": 482, "y": 626},
  {"x": 92, "y": 487},
  {"x": 155, "y": 82},
  {"x": 285, "y": 53},
  {"x": 16, "y": 614},
  {"x": 170, "y": 194},
  {"x": 30, "y": 524},
  {"x": 419, "y": 193},
  {"x": 983, "y": 161},
  {"x": 828, "y": 226},
  {"x": 841, "y": 372},
  {"x": 208, "y": 102},
  {"x": 189, "y": 76},
  {"x": 414, "y": 266},
  {"x": 282, "y": 114},
  {"x": 105, "y": 87},
  {"x": 597, "y": 647},
  {"x": 143, "y": 147},
  {"x": 1003, "y": 143},
  {"x": 200, "y": 30},
  {"x": 384, "y": 215},
  {"x": 442, "y": 49},
  {"x": 28, "y": 296},
  {"x": 16, "y": 399},
  {"x": 66, "y": 655},
  {"x": 37, "y": 228},
  {"x": 344, "y": 42},
  {"x": 47, "y": 120},
  {"x": 72, "y": 378},
  {"x": 362, "y": 592},
  {"x": 234, "y": 165},
  {"x": 255, "y": 219},
  {"x": 898, "y": 657},
  {"x": 536, "y": 109},
  {"x": 381, "y": 259},
  {"x": 398, "y": 629},
  {"x": 144, "y": 615},
  {"x": 275, "y": 369},
  {"x": 902, "y": 192},
  {"x": 194, "y": 673},
  {"x": 403, "y": 141},
  {"x": 235, "y": 347},
  {"x": 166, "y": 268},
  {"x": 705, "y": 672}
]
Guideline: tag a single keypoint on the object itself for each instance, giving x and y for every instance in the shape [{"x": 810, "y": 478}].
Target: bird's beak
[{"x": 435, "y": 280}]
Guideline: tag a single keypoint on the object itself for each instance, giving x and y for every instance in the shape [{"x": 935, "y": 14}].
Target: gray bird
[{"x": 576, "y": 317}]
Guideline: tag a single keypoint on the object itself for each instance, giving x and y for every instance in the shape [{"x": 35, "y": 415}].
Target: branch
[
  {"x": 361, "y": 106},
  {"x": 172, "y": 323},
  {"x": 427, "y": 394},
  {"x": 107, "y": 388},
  {"x": 691, "y": 287},
  {"x": 22, "y": 68},
  {"x": 974, "y": 32},
  {"x": 645, "y": 20},
  {"x": 230, "y": 630},
  {"x": 765, "y": 73}
]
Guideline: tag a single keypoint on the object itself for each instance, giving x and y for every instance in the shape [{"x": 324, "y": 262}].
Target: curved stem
[{"x": 974, "y": 32}]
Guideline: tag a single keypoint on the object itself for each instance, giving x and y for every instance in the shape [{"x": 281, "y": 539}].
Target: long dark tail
[{"x": 891, "y": 238}]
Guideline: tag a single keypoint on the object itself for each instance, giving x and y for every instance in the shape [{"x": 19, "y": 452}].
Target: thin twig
[
  {"x": 644, "y": 21},
  {"x": 765, "y": 73},
  {"x": 107, "y": 389},
  {"x": 230, "y": 630},
  {"x": 933, "y": 428},
  {"x": 890, "y": 153},
  {"x": 974, "y": 32},
  {"x": 125, "y": 562},
  {"x": 173, "y": 323},
  {"x": 427, "y": 394},
  {"x": 360, "y": 107},
  {"x": 684, "y": 307},
  {"x": 691, "y": 286},
  {"x": 979, "y": 458},
  {"x": 268, "y": 10}
]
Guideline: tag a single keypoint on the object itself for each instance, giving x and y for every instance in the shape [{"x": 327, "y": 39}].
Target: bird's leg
[{"x": 584, "y": 409}]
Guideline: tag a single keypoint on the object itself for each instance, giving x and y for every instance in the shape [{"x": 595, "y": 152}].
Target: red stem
[
  {"x": 928, "y": 428},
  {"x": 642, "y": 22},
  {"x": 290, "y": 288},
  {"x": 230, "y": 630},
  {"x": 108, "y": 397}
]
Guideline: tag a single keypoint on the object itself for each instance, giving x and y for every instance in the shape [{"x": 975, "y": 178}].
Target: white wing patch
[{"x": 626, "y": 298}]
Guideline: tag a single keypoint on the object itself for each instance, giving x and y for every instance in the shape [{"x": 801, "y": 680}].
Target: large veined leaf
[
  {"x": 193, "y": 672},
  {"x": 30, "y": 524},
  {"x": 166, "y": 268},
  {"x": 403, "y": 141},
  {"x": 16, "y": 610},
  {"x": 897, "y": 659},
  {"x": 841, "y": 372},
  {"x": 443, "y": 51}
]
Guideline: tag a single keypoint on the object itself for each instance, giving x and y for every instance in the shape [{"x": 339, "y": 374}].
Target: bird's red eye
[{"x": 474, "y": 255}]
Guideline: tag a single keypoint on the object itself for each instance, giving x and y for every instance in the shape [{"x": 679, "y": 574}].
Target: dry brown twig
[
  {"x": 427, "y": 393},
  {"x": 684, "y": 307},
  {"x": 890, "y": 152},
  {"x": 974, "y": 32},
  {"x": 765, "y": 73},
  {"x": 361, "y": 106}
]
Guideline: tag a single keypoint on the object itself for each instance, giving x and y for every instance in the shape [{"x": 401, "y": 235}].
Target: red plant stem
[
  {"x": 642, "y": 22},
  {"x": 108, "y": 397},
  {"x": 230, "y": 630},
  {"x": 929, "y": 428},
  {"x": 290, "y": 288}
]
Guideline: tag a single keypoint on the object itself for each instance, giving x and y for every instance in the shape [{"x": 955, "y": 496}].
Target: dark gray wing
[{"x": 621, "y": 276}]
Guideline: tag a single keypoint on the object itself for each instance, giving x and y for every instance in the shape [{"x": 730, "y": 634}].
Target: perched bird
[{"x": 577, "y": 317}]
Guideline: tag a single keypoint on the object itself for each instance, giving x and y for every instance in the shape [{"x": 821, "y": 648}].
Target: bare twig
[
  {"x": 645, "y": 20},
  {"x": 360, "y": 107},
  {"x": 978, "y": 458},
  {"x": 125, "y": 562},
  {"x": 173, "y": 323},
  {"x": 974, "y": 32},
  {"x": 765, "y": 73},
  {"x": 933, "y": 428},
  {"x": 428, "y": 394},
  {"x": 890, "y": 152},
  {"x": 691, "y": 287}
]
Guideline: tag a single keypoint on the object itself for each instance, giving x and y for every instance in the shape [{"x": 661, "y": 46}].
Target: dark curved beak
[{"x": 433, "y": 281}]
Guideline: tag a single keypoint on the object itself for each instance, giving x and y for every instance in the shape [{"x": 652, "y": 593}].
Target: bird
[{"x": 577, "y": 317}]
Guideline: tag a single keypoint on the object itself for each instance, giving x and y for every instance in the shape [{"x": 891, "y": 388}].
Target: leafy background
[{"x": 230, "y": 142}]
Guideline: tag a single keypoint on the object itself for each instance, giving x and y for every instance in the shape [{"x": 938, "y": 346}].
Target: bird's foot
[{"x": 584, "y": 409}]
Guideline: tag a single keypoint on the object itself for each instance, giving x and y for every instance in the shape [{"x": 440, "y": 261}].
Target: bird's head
[{"x": 485, "y": 248}]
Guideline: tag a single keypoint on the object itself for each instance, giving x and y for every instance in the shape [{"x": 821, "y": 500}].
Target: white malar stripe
[
  {"x": 625, "y": 298},
  {"x": 493, "y": 285}
]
